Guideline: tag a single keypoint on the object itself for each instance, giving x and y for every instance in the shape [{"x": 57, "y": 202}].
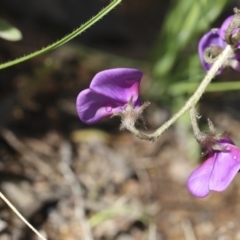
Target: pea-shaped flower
[
  {"x": 212, "y": 44},
  {"x": 109, "y": 92},
  {"x": 209, "y": 47},
  {"x": 217, "y": 172}
]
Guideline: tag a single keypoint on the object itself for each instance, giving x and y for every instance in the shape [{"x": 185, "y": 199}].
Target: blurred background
[{"x": 74, "y": 181}]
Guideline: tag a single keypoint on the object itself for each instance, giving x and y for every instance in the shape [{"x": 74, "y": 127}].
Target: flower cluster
[
  {"x": 109, "y": 93},
  {"x": 217, "y": 171},
  {"x": 213, "y": 43}
]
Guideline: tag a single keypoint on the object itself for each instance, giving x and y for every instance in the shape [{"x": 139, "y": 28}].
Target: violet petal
[
  {"x": 224, "y": 27},
  {"x": 198, "y": 181},
  {"x": 226, "y": 139},
  {"x": 235, "y": 63},
  {"x": 226, "y": 167},
  {"x": 209, "y": 39},
  {"x": 92, "y": 106},
  {"x": 119, "y": 84}
]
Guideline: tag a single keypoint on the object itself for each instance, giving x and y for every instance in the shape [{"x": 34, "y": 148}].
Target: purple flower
[
  {"x": 109, "y": 92},
  {"x": 210, "y": 39},
  {"x": 212, "y": 44},
  {"x": 217, "y": 172}
]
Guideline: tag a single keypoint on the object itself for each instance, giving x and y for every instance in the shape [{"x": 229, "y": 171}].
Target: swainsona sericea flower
[
  {"x": 212, "y": 44},
  {"x": 108, "y": 94},
  {"x": 217, "y": 171}
]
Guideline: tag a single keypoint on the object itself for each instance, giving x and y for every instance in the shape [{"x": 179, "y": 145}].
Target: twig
[
  {"x": 188, "y": 230},
  {"x": 152, "y": 235},
  {"x": 21, "y": 216},
  {"x": 66, "y": 157}
]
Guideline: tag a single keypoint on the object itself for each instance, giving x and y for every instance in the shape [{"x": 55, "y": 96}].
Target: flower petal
[
  {"x": 224, "y": 27},
  {"x": 198, "y": 181},
  {"x": 209, "y": 39},
  {"x": 226, "y": 139},
  {"x": 119, "y": 84},
  {"x": 92, "y": 106},
  {"x": 235, "y": 63},
  {"x": 226, "y": 167}
]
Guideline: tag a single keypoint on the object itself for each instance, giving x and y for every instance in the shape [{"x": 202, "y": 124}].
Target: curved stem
[
  {"x": 191, "y": 101},
  {"x": 198, "y": 93},
  {"x": 139, "y": 134},
  {"x": 193, "y": 117},
  {"x": 65, "y": 39}
]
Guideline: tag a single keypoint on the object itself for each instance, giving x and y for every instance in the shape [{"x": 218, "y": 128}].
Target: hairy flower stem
[
  {"x": 194, "y": 117},
  {"x": 208, "y": 140},
  {"x": 198, "y": 93},
  {"x": 139, "y": 134},
  {"x": 226, "y": 53}
]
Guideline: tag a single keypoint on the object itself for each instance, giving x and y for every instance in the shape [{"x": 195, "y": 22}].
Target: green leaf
[
  {"x": 9, "y": 32},
  {"x": 184, "y": 21},
  {"x": 189, "y": 87}
]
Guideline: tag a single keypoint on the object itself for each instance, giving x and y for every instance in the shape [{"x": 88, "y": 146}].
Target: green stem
[{"x": 67, "y": 38}]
